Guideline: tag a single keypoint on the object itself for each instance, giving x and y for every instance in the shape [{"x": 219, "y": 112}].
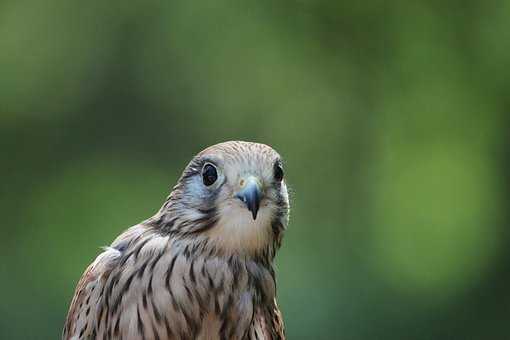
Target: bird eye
[
  {"x": 278, "y": 172},
  {"x": 209, "y": 174}
]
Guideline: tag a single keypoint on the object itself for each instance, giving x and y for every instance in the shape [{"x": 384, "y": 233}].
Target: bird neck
[{"x": 205, "y": 231}]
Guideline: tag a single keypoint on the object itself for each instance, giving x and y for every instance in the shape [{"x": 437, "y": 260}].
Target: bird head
[{"x": 232, "y": 195}]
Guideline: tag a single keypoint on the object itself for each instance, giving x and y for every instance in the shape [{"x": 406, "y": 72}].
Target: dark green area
[{"x": 392, "y": 117}]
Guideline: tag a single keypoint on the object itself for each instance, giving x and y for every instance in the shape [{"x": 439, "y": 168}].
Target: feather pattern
[{"x": 178, "y": 275}]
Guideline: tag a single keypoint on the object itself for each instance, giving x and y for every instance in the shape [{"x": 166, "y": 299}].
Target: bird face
[{"x": 237, "y": 190}]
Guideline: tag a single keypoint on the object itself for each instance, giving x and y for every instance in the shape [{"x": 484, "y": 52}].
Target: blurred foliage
[{"x": 392, "y": 118}]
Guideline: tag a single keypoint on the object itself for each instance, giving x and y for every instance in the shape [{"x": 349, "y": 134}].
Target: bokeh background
[{"x": 392, "y": 117}]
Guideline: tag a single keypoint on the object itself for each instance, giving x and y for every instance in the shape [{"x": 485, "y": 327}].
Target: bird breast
[{"x": 168, "y": 288}]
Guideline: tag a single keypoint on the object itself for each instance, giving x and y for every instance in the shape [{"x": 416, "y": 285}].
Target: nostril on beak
[{"x": 250, "y": 194}]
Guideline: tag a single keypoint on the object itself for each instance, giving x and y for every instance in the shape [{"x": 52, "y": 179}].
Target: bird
[{"x": 202, "y": 266}]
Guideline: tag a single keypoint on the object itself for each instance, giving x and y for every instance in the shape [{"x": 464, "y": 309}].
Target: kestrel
[{"x": 202, "y": 266}]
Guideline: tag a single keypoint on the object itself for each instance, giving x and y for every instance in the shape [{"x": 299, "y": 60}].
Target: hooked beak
[{"x": 251, "y": 194}]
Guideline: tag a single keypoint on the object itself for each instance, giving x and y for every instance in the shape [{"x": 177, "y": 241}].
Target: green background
[{"x": 392, "y": 118}]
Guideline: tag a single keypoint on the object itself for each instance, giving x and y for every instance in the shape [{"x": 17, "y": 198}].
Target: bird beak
[{"x": 251, "y": 194}]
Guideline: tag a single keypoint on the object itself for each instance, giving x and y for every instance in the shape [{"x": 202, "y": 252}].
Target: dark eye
[
  {"x": 278, "y": 172},
  {"x": 209, "y": 174}
]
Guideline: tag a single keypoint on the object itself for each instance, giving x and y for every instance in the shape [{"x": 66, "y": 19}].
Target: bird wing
[
  {"x": 82, "y": 315},
  {"x": 268, "y": 323},
  {"x": 278, "y": 323}
]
